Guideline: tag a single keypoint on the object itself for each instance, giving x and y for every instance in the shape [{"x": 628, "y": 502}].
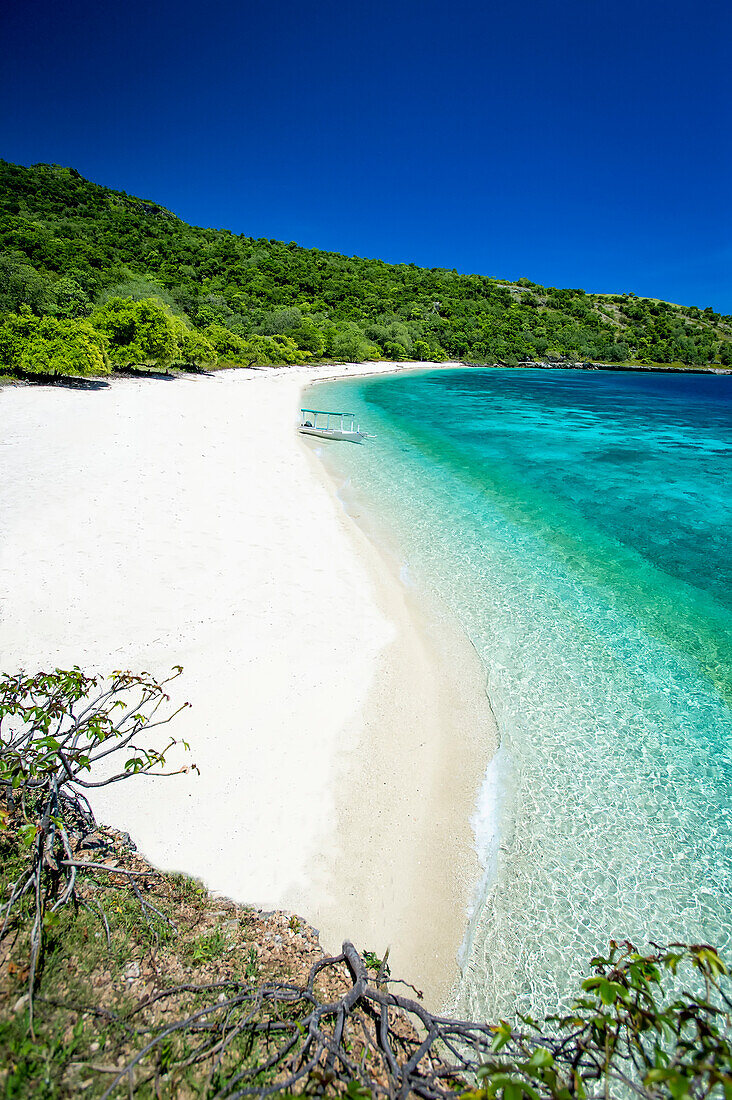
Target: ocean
[{"x": 577, "y": 524}]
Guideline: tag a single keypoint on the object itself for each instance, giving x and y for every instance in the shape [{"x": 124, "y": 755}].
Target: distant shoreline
[
  {"x": 647, "y": 368},
  {"x": 380, "y": 366}
]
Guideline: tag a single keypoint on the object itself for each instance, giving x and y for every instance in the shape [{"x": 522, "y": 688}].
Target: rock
[
  {"x": 132, "y": 971},
  {"x": 127, "y": 841},
  {"x": 21, "y": 1003},
  {"x": 93, "y": 842}
]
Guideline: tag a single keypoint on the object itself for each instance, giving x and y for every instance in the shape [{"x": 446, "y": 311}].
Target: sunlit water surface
[{"x": 578, "y": 525}]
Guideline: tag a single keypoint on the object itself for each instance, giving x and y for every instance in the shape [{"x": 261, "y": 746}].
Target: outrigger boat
[{"x": 331, "y": 425}]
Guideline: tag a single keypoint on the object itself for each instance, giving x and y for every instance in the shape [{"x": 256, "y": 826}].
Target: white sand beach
[{"x": 340, "y": 735}]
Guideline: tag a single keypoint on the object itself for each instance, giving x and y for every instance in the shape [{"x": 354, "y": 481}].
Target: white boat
[{"x": 331, "y": 425}]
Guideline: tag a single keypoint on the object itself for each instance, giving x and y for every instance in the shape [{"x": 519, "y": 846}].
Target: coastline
[
  {"x": 180, "y": 525},
  {"x": 642, "y": 368},
  {"x": 408, "y": 787}
]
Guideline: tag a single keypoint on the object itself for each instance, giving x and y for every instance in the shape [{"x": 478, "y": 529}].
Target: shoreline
[
  {"x": 640, "y": 368},
  {"x": 420, "y": 790},
  {"x": 184, "y": 525},
  {"x": 342, "y": 370}
]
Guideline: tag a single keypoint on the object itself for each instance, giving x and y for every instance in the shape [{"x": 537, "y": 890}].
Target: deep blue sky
[{"x": 578, "y": 143}]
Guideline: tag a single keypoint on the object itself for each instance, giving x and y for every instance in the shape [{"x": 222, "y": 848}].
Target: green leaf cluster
[
  {"x": 655, "y": 1026},
  {"x": 138, "y": 332},
  {"x": 52, "y": 346}
]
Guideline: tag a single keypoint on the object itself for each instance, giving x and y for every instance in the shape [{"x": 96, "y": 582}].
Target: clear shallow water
[{"x": 578, "y": 524}]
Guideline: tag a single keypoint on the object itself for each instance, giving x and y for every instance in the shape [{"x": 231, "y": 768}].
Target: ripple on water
[{"x": 578, "y": 526}]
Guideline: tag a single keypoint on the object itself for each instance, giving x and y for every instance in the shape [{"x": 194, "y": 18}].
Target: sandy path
[{"x": 153, "y": 523}]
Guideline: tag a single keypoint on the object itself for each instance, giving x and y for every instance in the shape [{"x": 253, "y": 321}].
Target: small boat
[{"x": 331, "y": 425}]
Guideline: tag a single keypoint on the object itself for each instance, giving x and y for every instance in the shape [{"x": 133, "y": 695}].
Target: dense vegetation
[
  {"x": 90, "y": 274},
  {"x": 117, "y": 980}
]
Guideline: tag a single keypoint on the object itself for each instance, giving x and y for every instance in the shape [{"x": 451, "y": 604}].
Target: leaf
[
  {"x": 609, "y": 992},
  {"x": 709, "y": 957},
  {"x": 541, "y": 1058}
]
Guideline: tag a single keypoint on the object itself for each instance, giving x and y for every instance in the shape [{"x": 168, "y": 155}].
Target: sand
[{"x": 157, "y": 522}]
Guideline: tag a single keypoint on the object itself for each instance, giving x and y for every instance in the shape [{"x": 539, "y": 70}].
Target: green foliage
[
  {"x": 209, "y": 947},
  {"x": 193, "y": 347},
  {"x": 32, "y": 1067},
  {"x": 252, "y": 965},
  {"x": 187, "y": 889},
  {"x": 308, "y": 336},
  {"x": 51, "y": 346},
  {"x": 725, "y": 353},
  {"x": 69, "y": 300},
  {"x": 142, "y": 332},
  {"x": 56, "y": 226},
  {"x": 54, "y": 725},
  {"x": 21, "y": 285},
  {"x": 347, "y": 341},
  {"x": 254, "y": 350},
  {"x": 137, "y": 289},
  {"x": 228, "y": 345},
  {"x": 655, "y": 1025},
  {"x": 273, "y": 350},
  {"x": 54, "y": 728}
]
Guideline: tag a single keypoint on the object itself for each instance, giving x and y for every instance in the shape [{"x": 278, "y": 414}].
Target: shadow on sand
[
  {"x": 63, "y": 383},
  {"x": 71, "y": 383}
]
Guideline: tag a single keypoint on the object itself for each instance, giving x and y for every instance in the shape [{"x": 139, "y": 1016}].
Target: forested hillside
[{"x": 92, "y": 279}]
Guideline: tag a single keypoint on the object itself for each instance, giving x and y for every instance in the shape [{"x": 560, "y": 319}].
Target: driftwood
[
  {"x": 388, "y": 1044},
  {"x": 280, "y": 1038}
]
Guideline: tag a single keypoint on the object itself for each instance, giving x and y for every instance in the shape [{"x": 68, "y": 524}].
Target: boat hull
[{"x": 334, "y": 433}]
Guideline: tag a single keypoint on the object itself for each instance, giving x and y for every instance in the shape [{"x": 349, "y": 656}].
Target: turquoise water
[{"x": 577, "y": 523}]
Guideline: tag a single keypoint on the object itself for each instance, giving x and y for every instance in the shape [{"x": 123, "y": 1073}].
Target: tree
[
  {"x": 56, "y": 728},
  {"x": 309, "y": 337},
  {"x": 20, "y": 284},
  {"x": 69, "y": 300},
  {"x": 725, "y": 353},
  {"x": 273, "y": 350},
  {"x": 213, "y": 309},
  {"x": 48, "y": 345},
  {"x": 229, "y": 346},
  {"x": 142, "y": 332},
  {"x": 193, "y": 347},
  {"x": 139, "y": 288},
  {"x": 347, "y": 342},
  {"x": 280, "y": 322}
]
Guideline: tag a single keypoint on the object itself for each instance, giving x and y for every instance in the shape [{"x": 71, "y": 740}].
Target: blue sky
[{"x": 579, "y": 144}]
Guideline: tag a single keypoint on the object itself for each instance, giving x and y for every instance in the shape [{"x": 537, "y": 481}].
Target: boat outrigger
[{"x": 331, "y": 425}]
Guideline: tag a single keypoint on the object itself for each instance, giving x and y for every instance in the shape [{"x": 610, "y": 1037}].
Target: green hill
[{"x": 70, "y": 247}]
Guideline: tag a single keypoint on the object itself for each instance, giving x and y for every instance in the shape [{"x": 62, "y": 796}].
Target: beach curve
[{"x": 154, "y": 523}]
